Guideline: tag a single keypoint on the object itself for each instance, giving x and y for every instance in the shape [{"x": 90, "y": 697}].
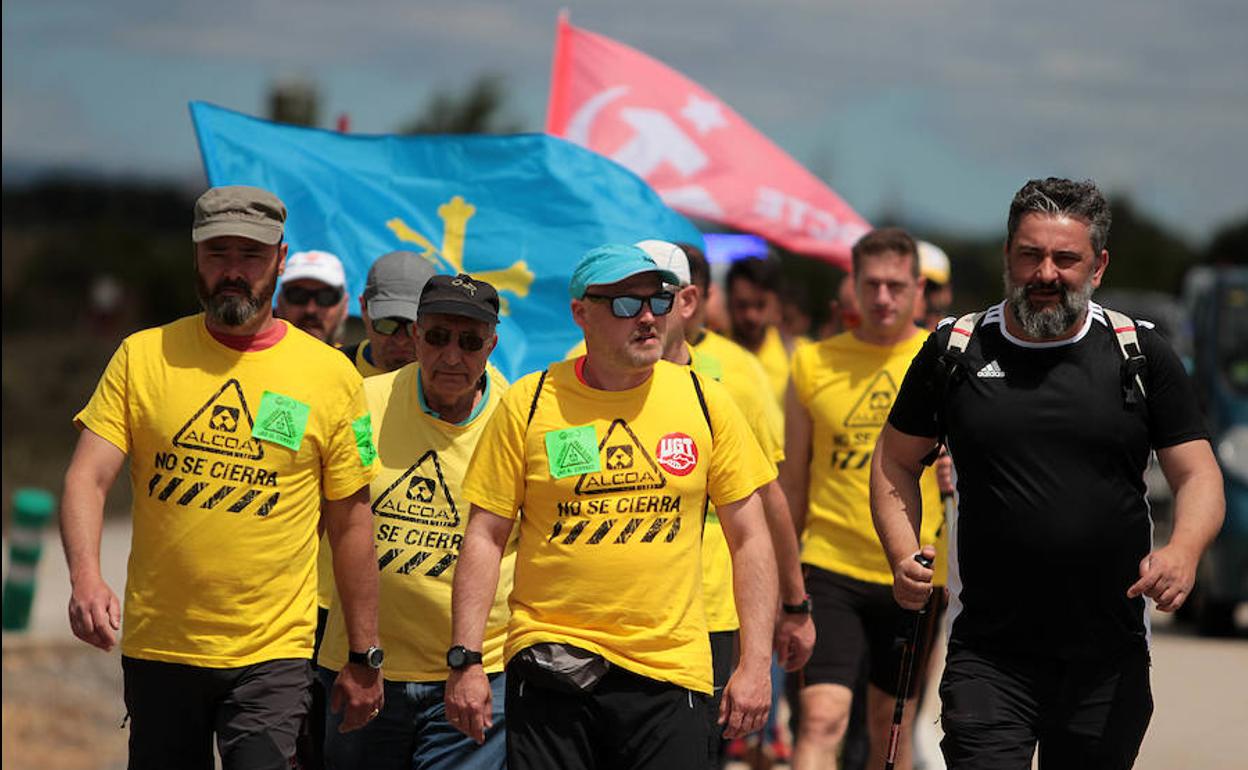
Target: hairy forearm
[
  {"x": 82, "y": 522},
  {"x": 896, "y": 506},
  {"x": 350, "y": 527},
  {"x": 780, "y": 525},
  {"x": 753, "y": 577},
  {"x": 476, "y": 579},
  {"x": 1199, "y": 509}
]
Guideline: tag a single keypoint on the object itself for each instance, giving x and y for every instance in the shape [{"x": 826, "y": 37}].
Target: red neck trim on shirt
[
  {"x": 251, "y": 343},
  {"x": 580, "y": 371}
]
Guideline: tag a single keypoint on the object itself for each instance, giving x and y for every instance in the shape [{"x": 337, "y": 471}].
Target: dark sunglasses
[
  {"x": 299, "y": 295},
  {"x": 440, "y": 337},
  {"x": 629, "y": 305},
  {"x": 390, "y": 326}
]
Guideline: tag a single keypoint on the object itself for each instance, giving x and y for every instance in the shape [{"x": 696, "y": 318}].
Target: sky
[{"x": 936, "y": 111}]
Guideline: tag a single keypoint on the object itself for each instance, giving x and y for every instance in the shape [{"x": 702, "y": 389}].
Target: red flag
[{"x": 699, "y": 155}]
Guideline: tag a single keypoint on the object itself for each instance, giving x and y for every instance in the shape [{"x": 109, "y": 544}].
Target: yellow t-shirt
[
  {"x": 848, "y": 387},
  {"x": 222, "y": 566},
  {"x": 719, "y": 358},
  {"x": 613, "y": 485},
  {"x": 775, "y": 360},
  {"x": 325, "y": 588},
  {"x": 419, "y": 517}
]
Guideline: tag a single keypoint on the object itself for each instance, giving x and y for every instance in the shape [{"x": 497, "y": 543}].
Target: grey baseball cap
[
  {"x": 247, "y": 212},
  {"x": 394, "y": 282}
]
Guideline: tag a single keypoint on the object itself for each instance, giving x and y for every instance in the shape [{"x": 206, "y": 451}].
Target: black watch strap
[
  {"x": 802, "y": 608},
  {"x": 460, "y": 657},
  {"x": 372, "y": 657}
]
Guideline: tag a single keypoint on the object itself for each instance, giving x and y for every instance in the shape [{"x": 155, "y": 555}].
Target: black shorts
[
  {"x": 854, "y": 620},
  {"x": 627, "y": 722},
  {"x": 255, "y": 712},
  {"x": 997, "y": 708}
]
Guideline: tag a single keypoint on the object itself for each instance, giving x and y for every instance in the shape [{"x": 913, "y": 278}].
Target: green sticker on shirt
[
  {"x": 572, "y": 451},
  {"x": 363, "y": 427},
  {"x": 281, "y": 420}
]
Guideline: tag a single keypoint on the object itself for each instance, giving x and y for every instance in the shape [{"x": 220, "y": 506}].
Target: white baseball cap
[
  {"x": 317, "y": 266},
  {"x": 668, "y": 256},
  {"x": 933, "y": 262}
]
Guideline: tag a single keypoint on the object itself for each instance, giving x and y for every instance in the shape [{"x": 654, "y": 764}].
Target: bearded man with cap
[
  {"x": 428, "y": 417},
  {"x": 612, "y": 458},
  {"x": 236, "y": 427},
  {"x": 313, "y": 295}
]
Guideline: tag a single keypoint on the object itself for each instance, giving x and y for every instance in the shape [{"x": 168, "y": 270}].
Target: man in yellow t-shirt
[
  {"x": 608, "y": 462},
  {"x": 236, "y": 425},
  {"x": 754, "y": 308},
  {"x": 388, "y": 308},
  {"x": 838, "y": 400},
  {"x": 428, "y": 418},
  {"x": 722, "y": 360}
]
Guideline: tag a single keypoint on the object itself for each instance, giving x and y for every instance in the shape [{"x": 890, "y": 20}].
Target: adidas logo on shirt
[{"x": 991, "y": 369}]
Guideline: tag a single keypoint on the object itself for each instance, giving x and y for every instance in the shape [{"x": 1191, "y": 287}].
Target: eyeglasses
[
  {"x": 390, "y": 326},
  {"x": 629, "y": 305},
  {"x": 299, "y": 295},
  {"x": 440, "y": 337}
]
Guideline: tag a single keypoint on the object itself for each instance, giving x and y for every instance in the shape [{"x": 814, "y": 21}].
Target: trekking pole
[{"x": 914, "y": 627}]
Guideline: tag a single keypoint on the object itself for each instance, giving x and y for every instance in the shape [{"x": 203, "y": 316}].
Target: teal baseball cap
[{"x": 611, "y": 263}]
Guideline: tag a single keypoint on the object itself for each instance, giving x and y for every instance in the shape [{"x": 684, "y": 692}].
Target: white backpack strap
[
  {"x": 1128, "y": 343},
  {"x": 963, "y": 328}
]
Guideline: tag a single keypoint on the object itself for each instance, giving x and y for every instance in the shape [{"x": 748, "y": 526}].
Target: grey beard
[
  {"x": 231, "y": 310},
  {"x": 1050, "y": 323}
]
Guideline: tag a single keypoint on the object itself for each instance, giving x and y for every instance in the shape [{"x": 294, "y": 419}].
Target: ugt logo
[{"x": 455, "y": 214}]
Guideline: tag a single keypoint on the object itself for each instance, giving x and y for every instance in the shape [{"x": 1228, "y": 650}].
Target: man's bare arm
[
  {"x": 1168, "y": 573},
  {"x": 468, "y": 697},
  {"x": 94, "y": 610},
  {"x": 794, "y": 633},
  {"x": 349, "y": 524},
  {"x": 897, "y": 510},
  {"x": 747, "y": 696},
  {"x": 795, "y": 470}
]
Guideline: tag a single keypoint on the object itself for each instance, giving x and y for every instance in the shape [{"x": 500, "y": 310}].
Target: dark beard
[
  {"x": 1050, "y": 323},
  {"x": 234, "y": 310}
]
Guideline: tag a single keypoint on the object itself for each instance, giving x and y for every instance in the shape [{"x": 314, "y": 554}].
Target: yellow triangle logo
[
  {"x": 222, "y": 426},
  {"x": 627, "y": 466},
  {"x": 420, "y": 496},
  {"x": 874, "y": 404}
]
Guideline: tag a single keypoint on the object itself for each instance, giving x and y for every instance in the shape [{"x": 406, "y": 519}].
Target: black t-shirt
[{"x": 1052, "y": 519}]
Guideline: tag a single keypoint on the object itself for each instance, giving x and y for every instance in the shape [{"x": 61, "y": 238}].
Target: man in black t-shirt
[{"x": 1051, "y": 551}]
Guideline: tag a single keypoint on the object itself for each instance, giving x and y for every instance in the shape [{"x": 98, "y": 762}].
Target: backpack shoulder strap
[
  {"x": 1133, "y": 360},
  {"x": 963, "y": 328},
  {"x": 706, "y": 413},
  {"x": 949, "y": 365},
  {"x": 537, "y": 392}
]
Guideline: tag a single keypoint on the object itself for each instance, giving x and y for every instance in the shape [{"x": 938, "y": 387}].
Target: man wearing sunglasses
[
  {"x": 389, "y": 306},
  {"x": 612, "y": 458},
  {"x": 428, "y": 417},
  {"x": 313, "y": 295}
]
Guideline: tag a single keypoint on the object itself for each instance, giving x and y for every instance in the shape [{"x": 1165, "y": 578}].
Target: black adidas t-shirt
[{"x": 1052, "y": 520}]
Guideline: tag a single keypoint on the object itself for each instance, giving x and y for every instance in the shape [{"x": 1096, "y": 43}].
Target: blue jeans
[{"x": 411, "y": 732}]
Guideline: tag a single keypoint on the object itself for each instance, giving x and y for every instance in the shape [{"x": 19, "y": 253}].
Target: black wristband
[{"x": 798, "y": 609}]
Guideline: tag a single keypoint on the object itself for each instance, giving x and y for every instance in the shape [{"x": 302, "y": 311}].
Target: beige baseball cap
[{"x": 247, "y": 212}]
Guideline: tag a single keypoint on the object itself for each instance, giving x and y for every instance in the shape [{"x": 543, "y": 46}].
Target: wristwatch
[
  {"x": 372, "y": 657},
  {"x": 802, "y": 608},
  {"x": 460, "y": 657}
]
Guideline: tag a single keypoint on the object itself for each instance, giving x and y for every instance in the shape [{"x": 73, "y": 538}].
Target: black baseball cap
[{"x": 459, "y": 295}]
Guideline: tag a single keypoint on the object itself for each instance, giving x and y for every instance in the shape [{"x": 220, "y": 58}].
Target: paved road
[{"x": 1200, "y": 686}]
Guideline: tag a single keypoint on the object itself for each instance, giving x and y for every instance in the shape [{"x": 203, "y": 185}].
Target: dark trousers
[
  {"x": 627, "y": 722},
  {"x": 255, "y": 712},
  {"x": 997, "y": 708},
  {"x": 723, "y": 660}
]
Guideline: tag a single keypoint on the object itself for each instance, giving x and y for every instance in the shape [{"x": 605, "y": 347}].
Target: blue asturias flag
[{"x": 516, "y": 211}]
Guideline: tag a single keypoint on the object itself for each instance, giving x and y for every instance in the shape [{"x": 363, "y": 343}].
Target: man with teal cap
[{"x": 612, "y": 457}]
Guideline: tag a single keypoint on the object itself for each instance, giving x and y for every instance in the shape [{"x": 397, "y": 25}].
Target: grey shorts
[{"x": 255, "y": 712}]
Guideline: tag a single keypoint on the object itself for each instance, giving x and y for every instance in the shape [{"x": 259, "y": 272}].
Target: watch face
[
  {"x": 375, "y": 657},
  {"x": 456, "y": 657}
]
